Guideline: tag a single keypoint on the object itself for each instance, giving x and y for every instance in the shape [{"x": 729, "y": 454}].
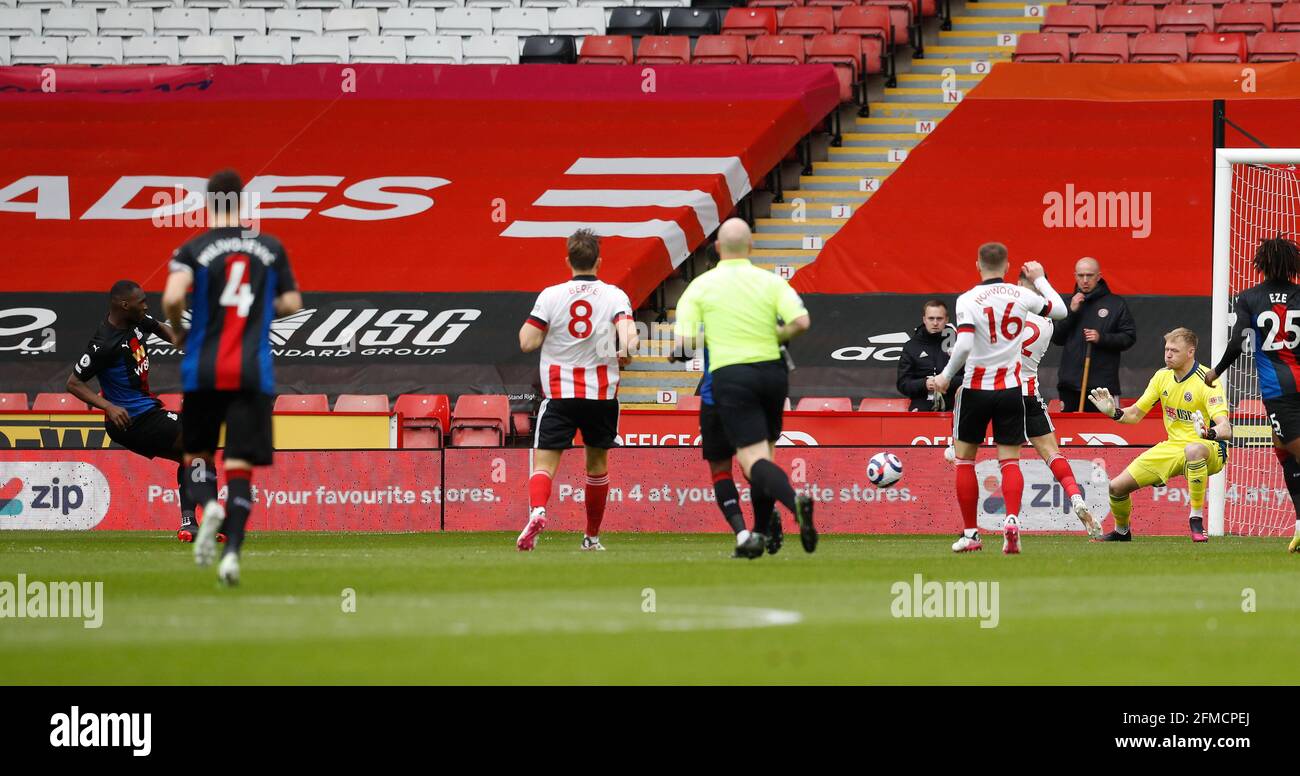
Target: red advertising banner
[
  {"x": 642, "y": 428},
  {"x": 377, "y": 177},
  {"x": 652, "y": 489}
]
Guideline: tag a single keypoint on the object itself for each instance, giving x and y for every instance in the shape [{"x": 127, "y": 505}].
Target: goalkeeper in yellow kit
[{"x": 1196, "y": 419}]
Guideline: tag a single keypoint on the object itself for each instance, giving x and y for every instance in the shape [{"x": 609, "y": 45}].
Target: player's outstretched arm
[
  {"x": 1108, "y": 404},
  {"x": 956, "y": 361},
  {"x": 173, "y": 301},
  {"x": 628, "y": 341},
  {"x": 115, "y": 414},
  {"x": 1056, "y": 309}
]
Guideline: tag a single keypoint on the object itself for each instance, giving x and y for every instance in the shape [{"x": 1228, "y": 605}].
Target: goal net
[{"x": 1257, "y": 196}]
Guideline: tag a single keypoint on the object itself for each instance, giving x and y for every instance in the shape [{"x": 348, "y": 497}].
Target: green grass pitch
[{"x": 468, "y": 608}]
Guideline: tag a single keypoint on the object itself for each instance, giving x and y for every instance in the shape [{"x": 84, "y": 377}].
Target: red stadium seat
[
  {"x": 1188, "y": 19},
  {"x": 302, "y": 402},
  {"x": 1287, "y": 18},
  {"x": 902, "y": 15},
  {"x": 750, "y": 22},
  {"x": 831, "y": 3},
  {"x": 1042, "y": 47},
  {"x": 1251, "y": 407},
  {"x": 521, "y": 424},
  {"x": 720, "y": 50},
  {"x": 884, "y": 405},
  {"x": 606, "y": 50},
  {"x": 777, "y": 50},
  {"x": 865, "y": 20},
  {"x": 824, "y": 404},
  {"x": 1217, "y": 47},
  {"x": 807, "y": 21},
  {"x": 59, "y": 402},
  {"x": 1215, "y": 3},
  {"x": 13, "y": 402},
  {"x": 1103, "y": 3},
  {"x": 1128, "y": 19},
  {"x": 845, "y": 53},
  {"x": 1101, "y": 47},
  {"x": 689, "y": 402},
  {"x": 1276, "y": 47},
  {"x": 1156, "y": 3},
  {"x": 1245, "y": 17},
  {"x": 1070, "y": 19},
  {"x": 664, "y": 50},
  {"x": 774, "y": 3},
  {"x": 480, "y": 421},
  {"x": 171, "y": 401},
  {"x": 1159, "y": 47},
  {"x": 361, "y": 402},
  {"x": 426, "y": 417}
]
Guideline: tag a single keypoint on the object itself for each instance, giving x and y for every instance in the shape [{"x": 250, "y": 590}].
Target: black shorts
[
  {"x": 1284, "y": 414},
  {"x": 713, "y": 437},
  {"x": 559, "y": 419},
  {"x": 751, "y": 400},
  {"x": 247, "y": 415},
  {"x": 155, "y": 434},
  {"x": 1005, "y": 409},
  {"x": 1037, "y": 421}
]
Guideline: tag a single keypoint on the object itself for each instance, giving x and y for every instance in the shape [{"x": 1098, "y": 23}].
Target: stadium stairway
[{"x": 872, "y": 147}]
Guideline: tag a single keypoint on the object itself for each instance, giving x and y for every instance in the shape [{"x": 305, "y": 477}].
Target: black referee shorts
[
  {"x": 750, "y": 398},
  {"x": 713, "y": 437},
  {"x": 247, "y": 416},
  {"x": 975, "y": 410},
  {"x": 154, "y": 434}
]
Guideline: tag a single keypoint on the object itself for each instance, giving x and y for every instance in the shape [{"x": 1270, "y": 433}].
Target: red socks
[
  {"x": 596, "y": 493},
  {"x": 1013, "y": 484},
  {"x": 968, "y": 493},
  {"x": 1061, "y": 471},
  {"x": 539, "y": 490}
]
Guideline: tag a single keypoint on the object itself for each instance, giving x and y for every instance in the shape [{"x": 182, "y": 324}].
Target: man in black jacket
[
  {"x": 924, "y": 356},
  {"x": 1098, "y": 318}
]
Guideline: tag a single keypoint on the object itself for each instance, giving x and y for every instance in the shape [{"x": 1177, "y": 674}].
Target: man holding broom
[{"x": 1098, "y": 328}]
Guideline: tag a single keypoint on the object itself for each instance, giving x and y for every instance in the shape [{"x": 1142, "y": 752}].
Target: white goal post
[{"x": 1256, "y": 196}]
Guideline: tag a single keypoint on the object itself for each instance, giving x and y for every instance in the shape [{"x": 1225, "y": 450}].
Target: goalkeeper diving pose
[
  {"x": 1266, "y": 325},
  {"x": 1196, "y": 419}
]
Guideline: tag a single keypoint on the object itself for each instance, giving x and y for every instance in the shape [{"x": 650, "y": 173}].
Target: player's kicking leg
[
  {"x": 545, "y": 463},
  {"x": 1048, "y": 450}
]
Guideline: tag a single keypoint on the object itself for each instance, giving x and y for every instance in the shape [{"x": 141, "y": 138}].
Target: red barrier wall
[{"x": 664, "y": 489}]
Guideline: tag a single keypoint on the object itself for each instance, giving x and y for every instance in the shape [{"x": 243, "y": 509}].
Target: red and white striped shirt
[
  {"x": 580, "y": 352},
  {"x": 994, "y": 313},
  {"x": 1033, "y": 345}
]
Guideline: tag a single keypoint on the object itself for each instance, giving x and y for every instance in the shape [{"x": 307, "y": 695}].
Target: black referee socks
[
  {"x": 239, "y": 502},
  {"x": 202, "y": 482},
  {"x": 187, "y": 498},
  {"x": 769, "y": 478},
  {"x": 724, "y": 488}
]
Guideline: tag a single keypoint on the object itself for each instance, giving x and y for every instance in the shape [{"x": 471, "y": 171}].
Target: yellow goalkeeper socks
[
  {"x": 1197, "y": 474},
  {"x": 1121, "y": 508}
]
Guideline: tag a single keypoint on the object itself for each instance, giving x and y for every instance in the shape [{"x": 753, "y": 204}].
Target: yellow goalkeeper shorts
[{"x": 1168, "y": 459}]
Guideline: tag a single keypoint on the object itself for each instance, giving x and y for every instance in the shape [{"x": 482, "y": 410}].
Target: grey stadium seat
[
  {"x": 321, "y": 49},
  {"x": 434, "y": 50},
  {"x": 151, "y": 51},
  {"x": 208, "y": 50},
  {"x": 264, "y": 50},
  {"x": 379, "y": 49},
  {"x": 95, "y": 51},
  {"x": 408, "y": 22}
]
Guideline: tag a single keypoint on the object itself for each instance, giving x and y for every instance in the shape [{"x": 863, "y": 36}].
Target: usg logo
[{"x": 71, "y": 496}]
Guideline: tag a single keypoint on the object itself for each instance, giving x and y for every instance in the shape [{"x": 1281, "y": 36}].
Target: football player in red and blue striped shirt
[{"x": 240, "y": 280}]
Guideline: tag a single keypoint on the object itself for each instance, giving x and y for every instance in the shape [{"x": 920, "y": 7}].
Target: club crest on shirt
[
  {"x": 1187, "y": 396},
  {"x": 1103, "y": 312}
]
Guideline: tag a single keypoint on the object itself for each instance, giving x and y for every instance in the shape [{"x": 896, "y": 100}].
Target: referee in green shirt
[{"x": 738, "y": 305}]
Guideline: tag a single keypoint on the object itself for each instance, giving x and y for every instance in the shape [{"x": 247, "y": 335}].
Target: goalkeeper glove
[
  {"x": 1203, "y": 431},
  {"x": 1105, "y": 402}
]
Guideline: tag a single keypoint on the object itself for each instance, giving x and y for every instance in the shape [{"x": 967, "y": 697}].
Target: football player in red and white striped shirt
[
  {"x": 585, "y": 331},
  {"x": 990, "y": 324},
  {"x": 1034, "y": 342}
]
